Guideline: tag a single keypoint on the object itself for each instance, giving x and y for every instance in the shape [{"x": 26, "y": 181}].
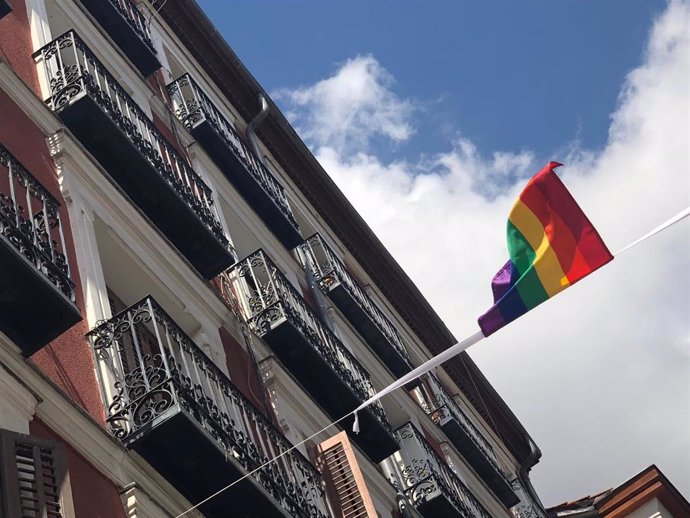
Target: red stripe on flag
[
  {"x": 550, "y": 201},
  {"x": 559, "y": 234}
]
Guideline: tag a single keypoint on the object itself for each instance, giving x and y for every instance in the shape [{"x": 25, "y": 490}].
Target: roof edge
[{"x": 223, "y": 66}]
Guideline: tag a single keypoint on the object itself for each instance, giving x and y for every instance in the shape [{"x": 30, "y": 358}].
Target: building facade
[
  {"x": 185, "y": 295},
  {"x": 648, "y": 494}
]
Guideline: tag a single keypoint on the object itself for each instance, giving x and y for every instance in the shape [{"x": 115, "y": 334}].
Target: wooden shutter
[
  {"x": 345, "y": 484},
  {"x": 32, "y": 472}
]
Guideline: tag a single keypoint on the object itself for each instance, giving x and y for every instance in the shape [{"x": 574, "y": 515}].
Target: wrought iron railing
[
  {"x": 329, "y": 269},
  {"x": 193, "y": 106},
  {"x": 527, "y": 507},
  {"x": 264, "y": 297},
  {"x": 150, "y": 368},
  {"x": 423, "y": 472},
  {"x": 438, "y": 405},
  {"x": 73, "y": 71},
  {"x": 30, "y": 221},
  {"x": 135, "y": 19}
]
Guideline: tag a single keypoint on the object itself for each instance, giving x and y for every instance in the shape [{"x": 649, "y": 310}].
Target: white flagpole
[
  {"x": 476, "y": 337},
  {"x": 675, "y": 219},
  {"x": 416, "y": 373}
]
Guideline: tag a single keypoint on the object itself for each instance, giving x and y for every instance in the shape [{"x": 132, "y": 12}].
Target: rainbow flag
[{"x": 551, "y": 244}]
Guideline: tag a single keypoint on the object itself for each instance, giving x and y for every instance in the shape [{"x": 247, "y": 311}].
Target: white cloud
[
  {"x": 600, "y": 376},
  {"x": 348, "y": 109}
]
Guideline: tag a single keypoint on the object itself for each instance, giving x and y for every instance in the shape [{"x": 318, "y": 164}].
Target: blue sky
[
  {"x": 509, "y": 75},
  {"x": 430, "y": 119}
]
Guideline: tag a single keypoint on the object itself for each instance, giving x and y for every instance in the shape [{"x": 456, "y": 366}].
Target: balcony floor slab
[
  {"x": 118, "y": 28},
  {"x": 477, "y": 459},
  {"x": 33, "y": 311},
  {"x": 183, "y": 452},
  {"x": 352, "y": 310},
  {"x": 246, "y": 184},
  {"x": 127, "y": 166},
  {"x": 332, "y": 393}
]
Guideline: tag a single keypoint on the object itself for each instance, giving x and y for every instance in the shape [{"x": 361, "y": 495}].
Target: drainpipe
[
  {"x": 312, "y": 285},
  {"x": 250, "y": 132}
]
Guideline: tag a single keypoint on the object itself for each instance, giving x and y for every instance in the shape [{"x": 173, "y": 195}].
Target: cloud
[
  {"x": 350, "y": 108},
  {"x": 601, "y": 375}
]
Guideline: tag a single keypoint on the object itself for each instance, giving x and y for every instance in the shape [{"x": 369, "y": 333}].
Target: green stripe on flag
[{"x": 522, "y": 255}]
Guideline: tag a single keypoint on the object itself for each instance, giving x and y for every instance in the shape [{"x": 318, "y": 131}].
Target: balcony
[
  {"x": 243, "y": 169},
  {"x": 431, "y": 485},
  {"x": 337, "y": 283},
  {"x": 4, "y": 8},
  {"x": 36, "y": 293},
  {"x": 129, "y": 29},
  {"x": 467, "y": 439},
  {"x": 170, "y": 403},
  {"x": 135, "y": 154},
  {"x": 318, "y": 360}
]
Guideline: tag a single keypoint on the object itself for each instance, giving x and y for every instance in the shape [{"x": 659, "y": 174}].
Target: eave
[{"x": 222, "y": 65}]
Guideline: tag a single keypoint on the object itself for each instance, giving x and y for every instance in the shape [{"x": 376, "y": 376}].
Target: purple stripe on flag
[{"x": 501, "y": 281}]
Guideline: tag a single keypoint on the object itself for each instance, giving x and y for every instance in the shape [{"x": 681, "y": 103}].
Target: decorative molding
[
  {"x": 139, "y": 504},
  {"x": 17, "y": 403}
]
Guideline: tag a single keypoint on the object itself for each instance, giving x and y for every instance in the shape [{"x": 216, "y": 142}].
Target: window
[
  {"x": 32, "y": 474},
  {"x": 345, "y": 484}
]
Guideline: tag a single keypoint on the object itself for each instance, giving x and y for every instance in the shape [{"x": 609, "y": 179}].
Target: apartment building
[
  {"x": 185, "y": 295},
  {"x": 648, "y": 494}
]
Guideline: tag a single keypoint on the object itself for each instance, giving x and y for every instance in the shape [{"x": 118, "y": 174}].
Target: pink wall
[
  {"x": 94, "y": 495},
  {"x": 15, "y": 44},
  {"x": 67, "y": 360},
  {"x": 241, "y": 369}
]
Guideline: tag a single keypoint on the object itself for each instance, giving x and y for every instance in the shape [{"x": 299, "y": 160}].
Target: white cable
[
  {"x": 262, "y": 466},
  {"x": 675, "y": 219},
  {"x": 419, "y": 371}
]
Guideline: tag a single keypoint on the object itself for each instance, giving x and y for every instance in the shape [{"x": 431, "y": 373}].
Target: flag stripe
[
  {"x": 559, "y": 233},
  {"x": 512, "y": 307},
  {"x": 546, "y": 262},
  {"x": 522, "y": 258},
  {"x": 561, "y": 202},
  {"x": 530, "y": 289},
  {"x": 551, "y": 245},
  {"x": 520, "y": 251}
]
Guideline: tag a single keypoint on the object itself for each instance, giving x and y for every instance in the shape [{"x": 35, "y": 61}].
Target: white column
[{"x": 86, "y": 248}]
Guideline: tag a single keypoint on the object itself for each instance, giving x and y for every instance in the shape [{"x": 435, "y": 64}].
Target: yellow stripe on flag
[{"x": 546, "y": 263}]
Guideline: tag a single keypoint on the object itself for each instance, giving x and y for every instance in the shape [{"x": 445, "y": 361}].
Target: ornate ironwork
[
  {"x": 193, "y": 106},
  {"x": 424, "y": 474},
  {"x": 149, "y": 367},
  {"x": 328, "y": 270},
  {"x": 266, "y": 299},
  {"x": 439, "y": 405},
  {"x": 73, "y": 71},
  {"x": 527, "y": 507},
  {"x": 30, "y": 221},
  {"x": 135, "y": 19}
]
